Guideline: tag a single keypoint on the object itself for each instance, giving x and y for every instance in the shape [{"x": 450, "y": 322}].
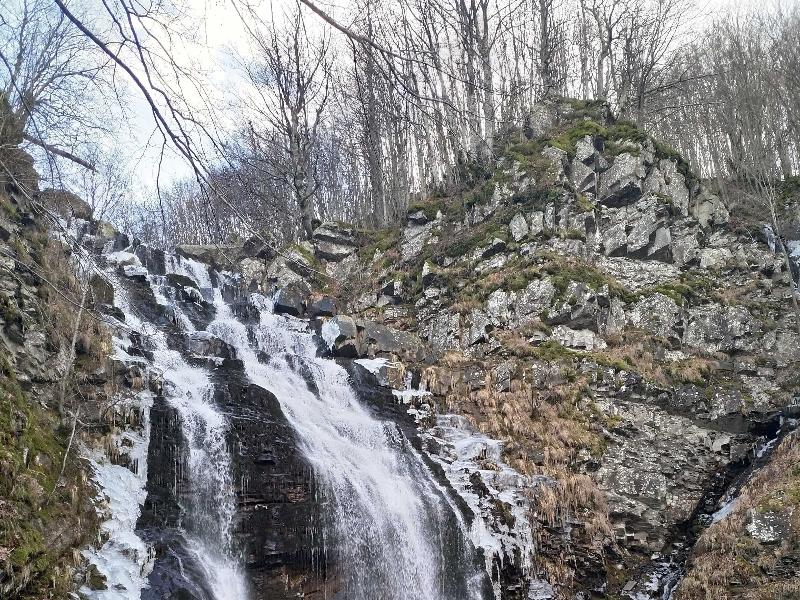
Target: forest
[{"x": 354, "y": 114}]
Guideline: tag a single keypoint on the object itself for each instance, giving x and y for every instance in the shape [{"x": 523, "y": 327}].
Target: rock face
[{"x": 589, "y": 307}]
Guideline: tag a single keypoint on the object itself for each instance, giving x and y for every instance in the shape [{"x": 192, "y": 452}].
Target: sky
[
  {"x": 221, "y": 35},
  {"x": 209, "y": 38}
]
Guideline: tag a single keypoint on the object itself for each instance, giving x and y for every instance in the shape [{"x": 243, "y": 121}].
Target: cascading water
[
  {"x": 209, "y": 502},
  {"x": 391, "y": 529}
]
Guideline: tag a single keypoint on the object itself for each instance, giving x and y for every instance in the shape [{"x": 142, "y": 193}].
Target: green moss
[
  {"x": 563, "y": 273},
  {"x": 584, "y": 204},
  {"x": 28, "y": 487},
  {"x": 689, "y": 288}
]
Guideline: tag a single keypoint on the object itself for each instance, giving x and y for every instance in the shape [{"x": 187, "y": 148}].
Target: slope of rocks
[{"x": 587, "y": 304}]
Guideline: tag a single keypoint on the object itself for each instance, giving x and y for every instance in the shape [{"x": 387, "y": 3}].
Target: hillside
[
  {"x": 588, "y": 304},
  {"x": 574, "y": 377}
]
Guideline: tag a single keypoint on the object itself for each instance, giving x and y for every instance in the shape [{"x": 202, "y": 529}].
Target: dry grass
[
  {"x": 728, "y": 563},
  {"x": 546, "y": 432}
]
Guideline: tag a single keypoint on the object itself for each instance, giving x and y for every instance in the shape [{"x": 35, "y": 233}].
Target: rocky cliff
[
  {"x": 587, "y": 304},
  {"x": 585, "y": 375}
]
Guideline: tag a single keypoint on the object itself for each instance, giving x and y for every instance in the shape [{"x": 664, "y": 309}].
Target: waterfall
[
  {"x": 209, "y": 506},
  {"x": 390, "y": 528}
]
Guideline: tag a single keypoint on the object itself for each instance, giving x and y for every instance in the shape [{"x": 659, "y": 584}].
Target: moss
[
  {"x": 584, "y": 204},
  {"x": 32, "y": 448},
  {"x": 563, "y": 273},
  {"x": 689, "y": 288}
]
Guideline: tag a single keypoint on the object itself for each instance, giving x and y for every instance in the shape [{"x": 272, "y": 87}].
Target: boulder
[
  {"x": 769, "y": 527},
  {"x": 219, "y": 256},
  {"x": 289, "y": 301},
  {"x": 534, "y": 300},
  {"x": 708, "y": 209},
  {"x": 622, "y": 183},
  {"x": 151, "y": 259},
  {"x": 655, "y": 313},
  {"x": 334, "y": 241},
  {"x": 579, "y": 339},
  {"x": 340, "y": 335},
  {"x": 378, "y": 340},
  {"x": 518, "y": 227},
  {"x": 583, "y": 173},
  {"x": 324, "y": 306},
  {"x": 717, "y": 328},
  {"x": 202, "y": 343}
]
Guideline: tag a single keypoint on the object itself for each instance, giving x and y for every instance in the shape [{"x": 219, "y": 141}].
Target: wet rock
[
  {"x": 324, "y": 306},
  {"x": 203, "y": 343},
  {"x": 340, "y": 335},
  {"x": 290, "y": 301},
  {"x": 135, "y": 272},
  {"x": 220, "y": 256},
  {"x": 180, "y": 281},
  {"x": 151, "y": 259},
  {"x": 95, "y": 580}
]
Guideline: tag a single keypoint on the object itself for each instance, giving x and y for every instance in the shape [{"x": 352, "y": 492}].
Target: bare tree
[{"x": 291, "y": 77}]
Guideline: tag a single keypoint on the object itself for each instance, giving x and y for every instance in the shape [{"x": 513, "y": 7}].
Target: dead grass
[
  {"x": 728, "y": 563},
  {"x": 549, "y": 432}
]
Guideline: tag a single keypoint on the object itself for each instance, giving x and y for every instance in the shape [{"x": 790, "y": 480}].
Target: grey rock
[
  {"x": 534, "y": 300},
  {"x": 518, "y": 227},
  {"x": 769, "y": 527},
  {"x": 622, "y": 183},
  {"x": 290, "y": 301},
  {"x": 656, "y": 313},
  {"x": 580, "y": 339},
  {"x": 709, "y": 210},
  {"x": 323, "y": 307},
  {"x": 717, "y": 328},
  {"x": 536, "y": 223}
]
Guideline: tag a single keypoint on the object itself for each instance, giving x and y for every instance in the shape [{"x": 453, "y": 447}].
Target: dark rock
[
  {"x": 323, "y": 307},
  {"x": 181, "y": 281},
  {"x": 66, "y": 204},
  {"x": 152, "y": 259},
  {"x": 255, "y": 247},
  {"x": 102, "y": 290},
  {"x": 289, "y": 301}
]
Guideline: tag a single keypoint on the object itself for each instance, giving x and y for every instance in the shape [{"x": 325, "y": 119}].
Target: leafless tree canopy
[{"x": 351, "y": 112}]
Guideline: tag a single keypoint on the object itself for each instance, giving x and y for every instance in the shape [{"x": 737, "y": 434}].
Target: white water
[
  {"x": 391, "y": 527},
  {"x": 210, "y": 505},
  {"x": 391, "y": 532}
]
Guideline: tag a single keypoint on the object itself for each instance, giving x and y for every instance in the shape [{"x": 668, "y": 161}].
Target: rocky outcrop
[{"x": 588, "y": 306}]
